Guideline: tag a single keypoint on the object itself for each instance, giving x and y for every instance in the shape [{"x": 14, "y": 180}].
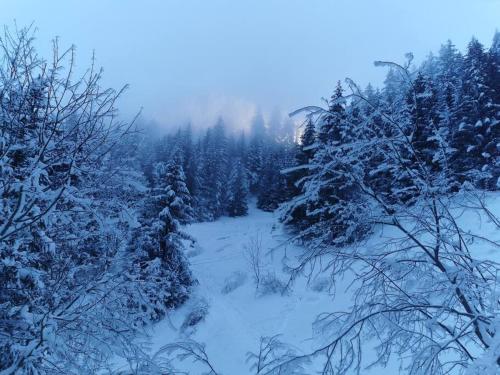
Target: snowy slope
[{"x": 235, "y": 321}]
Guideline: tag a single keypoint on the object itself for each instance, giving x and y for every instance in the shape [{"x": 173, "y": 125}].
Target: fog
[{"x": 197, "y": 60}]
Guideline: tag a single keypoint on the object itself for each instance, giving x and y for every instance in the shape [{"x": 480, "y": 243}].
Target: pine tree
[
  {"x": 332, "y": 214},
  {"x": 307, "y": 141},
  {"x": 271, "y": 191},
  {"x": 256, "y": 152},
  {"x": 190, "y": 162},
  {"x": 172, "y": 177},
  {"x": 424, "y": 120},
  {"x": 304, "y": 155},
  {"x": 238, "y": 191},
  {"x": 473, "y": 133},
  {"x": 493, "y": 132},
  {"x": 156, "y": 246},
  {"x": 214, "y": 172}
]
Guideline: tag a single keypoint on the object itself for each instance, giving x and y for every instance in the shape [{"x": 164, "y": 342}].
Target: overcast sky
[{"x": 200, "y": 59}]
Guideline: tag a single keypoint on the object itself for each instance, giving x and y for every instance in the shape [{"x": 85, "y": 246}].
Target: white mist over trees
[{"x": 222, "y": 168}]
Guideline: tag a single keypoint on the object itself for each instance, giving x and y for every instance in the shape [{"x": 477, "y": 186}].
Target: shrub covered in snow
[
  {"x": 271, "y": 284},
  {"x": 197, "y": 314}
]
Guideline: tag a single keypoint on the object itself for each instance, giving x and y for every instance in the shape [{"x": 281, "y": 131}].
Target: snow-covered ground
[
  {"x": 236, "y": 319},
  {"x": 238, "y": 314}
]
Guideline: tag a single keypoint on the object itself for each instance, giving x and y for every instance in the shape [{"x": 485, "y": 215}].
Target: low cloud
[{"x": 204, "y": 111}]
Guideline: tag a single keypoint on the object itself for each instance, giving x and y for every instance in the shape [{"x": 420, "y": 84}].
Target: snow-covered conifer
[{"x": 238, "y": 190}]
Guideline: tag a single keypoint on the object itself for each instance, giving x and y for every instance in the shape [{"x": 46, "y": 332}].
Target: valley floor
[{"x": 237, "y": 314}]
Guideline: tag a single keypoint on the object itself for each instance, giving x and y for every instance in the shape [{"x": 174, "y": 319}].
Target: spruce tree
[
  {"x": 448, "y": 80},
  {"x": 214, "y": 172},
  {"x": 473, "y": 134},
  {"x": 190, "y": 162},
  {"x": 493, "y": 132},
  {"x": 272, "y": 187},
  {"x": 307, "y": 141},
  {"x": 256, "y": 152},
  {"x": 238, "y": 191},
  {"x": 304, "y": 154},
  {"x": 156, "y": 247},
  {"x": 424, "y": 120},
  {"x": 328, "y": 193},
  {"x": 179, "y": 197}
]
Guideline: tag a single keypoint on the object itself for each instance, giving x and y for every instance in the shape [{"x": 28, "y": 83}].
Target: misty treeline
[
  {"x": 91, "y": 240},
  {"x": 223, "y": 168}
]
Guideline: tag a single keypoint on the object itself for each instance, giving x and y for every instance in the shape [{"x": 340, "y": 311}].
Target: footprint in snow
[
  {"x": 222, "y": 248},
  {"x": 233, "y": 282},
  {"x": 194, "y": 251}
]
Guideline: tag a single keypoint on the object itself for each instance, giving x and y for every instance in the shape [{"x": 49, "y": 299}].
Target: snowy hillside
[
  {"x": 238, "y": 314},
  {"x": 237, "y": 318}
]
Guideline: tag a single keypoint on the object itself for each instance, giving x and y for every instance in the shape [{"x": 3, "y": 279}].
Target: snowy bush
[
  {"x": 255, "y": 257},
  {"x": 266, "y": 282},
  {"x": 197, "y": 314},
  {"x": 271, "y": 284}
]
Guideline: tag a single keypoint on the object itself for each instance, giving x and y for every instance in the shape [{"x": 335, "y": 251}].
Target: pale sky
[{"x": 197, "y": 60}]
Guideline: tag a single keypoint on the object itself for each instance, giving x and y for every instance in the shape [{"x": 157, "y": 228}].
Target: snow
[
  {"x": 237, "y": 319},
  {"x": 237, "y": 315}
]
